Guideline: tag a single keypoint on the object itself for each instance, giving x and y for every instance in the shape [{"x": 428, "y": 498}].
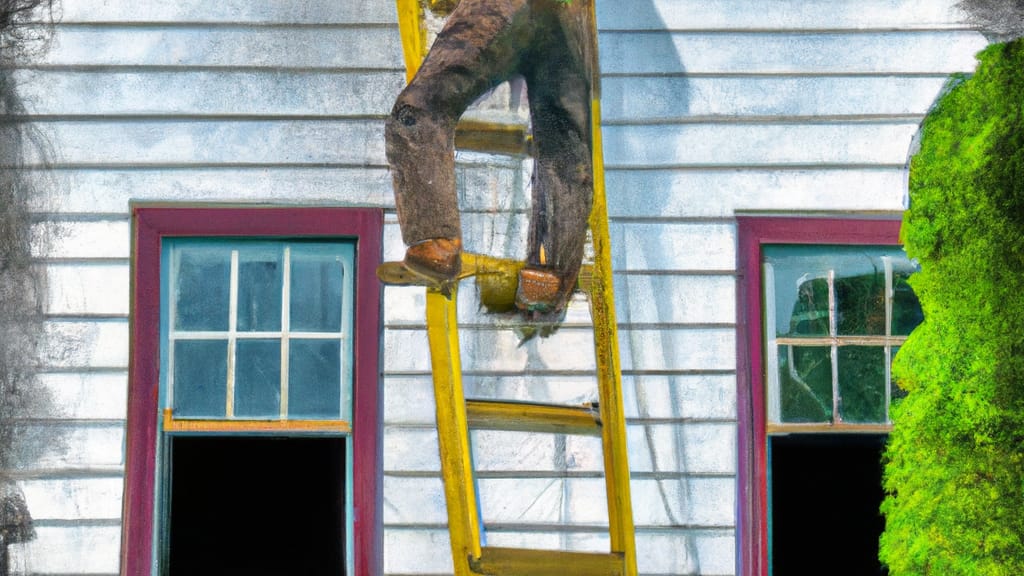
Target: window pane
[
  {"x": 202, "y": 277},
  {"x": 258, "y": 379},
  {"x": 259, "y": 289},
  {"x": 810, "y": 309},
  {"x": 314, "y": 379},
  {"x": 316, "y": 288},
  {"x": 805, "y": 383},
  {"x": 862, "y": 383},
  {"x": 906, "y": 310},
  {"x": 200, "y": 378},
  {"x": 860, "y": 296}
]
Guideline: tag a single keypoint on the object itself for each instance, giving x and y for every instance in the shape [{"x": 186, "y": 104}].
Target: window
[
  {"x": 825, "y": 306},
  {"x": 255, "y": 338}
]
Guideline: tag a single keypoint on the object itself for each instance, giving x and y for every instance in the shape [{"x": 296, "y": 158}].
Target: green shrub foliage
[{"x": 954, "y": 472}]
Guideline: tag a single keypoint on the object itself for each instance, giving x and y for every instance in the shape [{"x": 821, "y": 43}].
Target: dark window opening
[
  {"x": 257, "y": 505},
  {"x": 825, "y": 493}
]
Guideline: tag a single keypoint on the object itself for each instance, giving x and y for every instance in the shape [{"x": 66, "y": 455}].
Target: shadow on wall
[
  {"x": 647, "y": 84},
  {"x": 22, "y": 282}
]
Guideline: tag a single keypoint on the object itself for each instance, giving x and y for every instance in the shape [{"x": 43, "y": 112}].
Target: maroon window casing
[
  {"x": 752, "y": 478},
  {"x": 150, "y": 225}
]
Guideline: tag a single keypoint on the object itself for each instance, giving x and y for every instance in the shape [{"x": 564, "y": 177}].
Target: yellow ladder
[{"x": 456, "y": 415}]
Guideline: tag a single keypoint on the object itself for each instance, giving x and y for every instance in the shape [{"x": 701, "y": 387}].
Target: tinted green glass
[
  {"x": 860, "y": 298},
  {"x": 862, "y": 384},
  {"x": 260, "y": 277},
  {"x": 200, "y": 378},
  {"x": 316, "y": 288},
  {"x": 202, "y": 281},
  {"x": 906, "y": 309},
  {"x": 314, "y": 379},
  {"x": 805, "y": 383},
  {"x": 258, "y": 379}
]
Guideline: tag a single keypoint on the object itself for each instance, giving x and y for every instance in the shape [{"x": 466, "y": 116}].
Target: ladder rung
[
  {"x": 533, "y": 417},
  {"x": 521, "y": 562}
]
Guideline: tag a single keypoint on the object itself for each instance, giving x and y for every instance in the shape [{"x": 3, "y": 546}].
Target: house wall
[{"x": 711, "y": 108}]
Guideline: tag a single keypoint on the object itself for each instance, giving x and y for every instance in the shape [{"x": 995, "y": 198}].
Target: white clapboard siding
[
  {"x": 106, "y": 190},
  {"x": 87, "y": 289},
  {"x": 691, "y": 447},
  {"x": 660, "y": 552},
  {"x": 69, "y": 549},
  {"x": 85, "y": 396},
  {"x": 67, "y": 499},
  {"x": 337, "y": 46},
  {"x": 709, "y": 192},
  {"x": 778, "y": 14},
  {"x": 560, "y": 501},
  {"x": 277, "y": 12},
  {"x": 771, "y": 52},
  {"x": 687, "y": 397},
  {"x": 209, "y": 93}
]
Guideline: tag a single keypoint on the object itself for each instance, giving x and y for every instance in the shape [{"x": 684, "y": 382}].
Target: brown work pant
[{"x": 484, "y": 43}]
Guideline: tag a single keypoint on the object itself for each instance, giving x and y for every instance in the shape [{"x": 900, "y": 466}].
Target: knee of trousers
[{"x": 409, "y": 124}]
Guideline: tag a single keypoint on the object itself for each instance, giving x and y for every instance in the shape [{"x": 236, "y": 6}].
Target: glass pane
[
  {"x": 316, "y": 288},
  {"x": 314, "y": 379},
  {"x": 860, "y": 297},
  {"x": 906, "y": 310},
  {"x": 200, "y": 378},
  {"x": 862, "y": 384},
  {"x": 202, "y": 281},
  {"x": 259, "y": 289},
  {"x": 805, "y": 383},
  {"x": 258, "y": 379},
  {"x": 810, "y": 309}
]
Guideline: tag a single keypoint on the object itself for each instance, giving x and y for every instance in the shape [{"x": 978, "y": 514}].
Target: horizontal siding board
[
  {"x": 779, "y": 14},
  {"x": 178, "y": 142},
  {"x": 669, "y": 193},
  {"x": 674, "y": 246},
  {"x": 692, "y": 447},
  {"x": 109, "y": 190},
  {"x": 693, "y": 501},
  {"x": 83, "y": 239},
  {"x": 85, "y": 396},
  {"x": 231, "y": 11},
  {"x": 74, "y": 498},
  {"x": 662, "y": 552},
  {"x": 653, "y": 99},
  {"x": 87, "y": 289},
  {"x": 409, "y": 400},
  {"x": 61, "y": 445},
  {"x": 725, "y": 144},
  {"x": 778, "y": 52},
  {"x": 238, "y": 46},
  {"x": 641, "y": 349},
  {"x": 85, "y": 344},
  {"x": 646, "y": 299},
  {"x": 69, "y": 550},
  {"x": 222, "y": 94}
]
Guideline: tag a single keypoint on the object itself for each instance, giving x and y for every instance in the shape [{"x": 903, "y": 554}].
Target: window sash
[{"x": 283, "y": 337}]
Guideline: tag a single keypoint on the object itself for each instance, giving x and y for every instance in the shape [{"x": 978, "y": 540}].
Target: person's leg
[
  {"x": 479, "y": 47},
  {"x": 559, "y": 87}
]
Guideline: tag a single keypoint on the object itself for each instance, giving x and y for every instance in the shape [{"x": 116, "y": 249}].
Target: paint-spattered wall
[{"x": 710, "y": 108}]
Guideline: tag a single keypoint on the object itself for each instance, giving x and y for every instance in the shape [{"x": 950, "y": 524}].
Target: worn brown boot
[
  {"x": 539, "y": 290},
  {"x": 439, "y": 259}
]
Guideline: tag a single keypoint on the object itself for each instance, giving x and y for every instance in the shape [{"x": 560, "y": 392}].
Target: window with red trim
[
  {"x": 824, "y": 306},
  {"x": 253, "y": 441}
]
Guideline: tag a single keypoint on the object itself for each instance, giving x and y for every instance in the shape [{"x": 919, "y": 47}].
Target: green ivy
[{"x": 954, "y": 471}]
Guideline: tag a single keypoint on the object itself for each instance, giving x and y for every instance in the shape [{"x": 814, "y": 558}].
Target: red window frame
[
  {"x": 153, "y": 223},
  {"x": 752, "y": 474}
]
